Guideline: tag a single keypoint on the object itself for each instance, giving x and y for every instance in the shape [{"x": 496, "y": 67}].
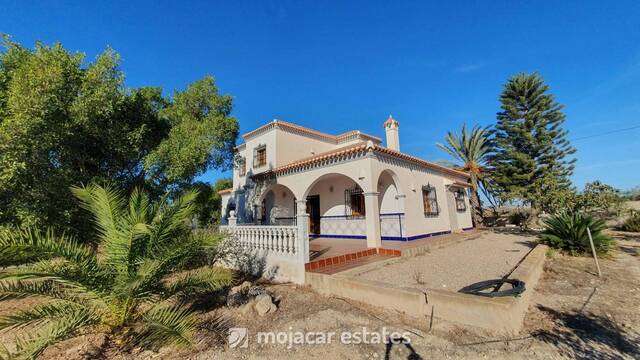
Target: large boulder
[{"x": 264, "y": 305}]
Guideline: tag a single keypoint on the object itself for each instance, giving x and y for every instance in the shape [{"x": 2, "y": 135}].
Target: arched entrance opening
[
  {"x": 336, "y": 207},
  {"x": 277, "y": 206},
  {"x": 337, "y": 216},
  {"x": 391, "y": 205}
]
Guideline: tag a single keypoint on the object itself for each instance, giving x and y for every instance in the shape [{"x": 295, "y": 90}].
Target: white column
[
  {"x": 372, "y": 215},
  {"x": 233, "y": 220},
  {"x": 302, "y": 221}
]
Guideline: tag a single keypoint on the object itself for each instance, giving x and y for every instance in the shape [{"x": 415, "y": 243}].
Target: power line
[{"x": 607, "y": 133}]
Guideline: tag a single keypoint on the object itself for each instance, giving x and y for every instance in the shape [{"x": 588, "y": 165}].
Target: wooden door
[{"x": 313, "y": 209}]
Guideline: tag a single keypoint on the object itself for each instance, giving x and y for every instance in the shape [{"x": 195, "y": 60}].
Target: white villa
[{"x": 294, "y": 186}]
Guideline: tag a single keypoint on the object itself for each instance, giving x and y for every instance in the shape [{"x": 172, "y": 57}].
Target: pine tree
[{"x": 531, "y": 161}]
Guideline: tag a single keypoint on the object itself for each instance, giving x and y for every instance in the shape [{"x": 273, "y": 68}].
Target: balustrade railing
[{"x": 271, "y": 238}]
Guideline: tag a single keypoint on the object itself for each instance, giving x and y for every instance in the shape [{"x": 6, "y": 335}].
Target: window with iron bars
[
  {"x": 430, "y": 201},
  {"x": 460, "y": 203},
  {"x": 354, "y": 202},
  {"x": 260, "y": 156}
]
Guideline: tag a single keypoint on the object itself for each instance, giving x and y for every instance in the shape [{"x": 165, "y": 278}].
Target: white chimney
[{"x": 391, "y": 129}]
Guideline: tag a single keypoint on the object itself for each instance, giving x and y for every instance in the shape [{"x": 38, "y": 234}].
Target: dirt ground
[
  {"x": 490, "y": 256},
  {"x": 574, "y": 314}
]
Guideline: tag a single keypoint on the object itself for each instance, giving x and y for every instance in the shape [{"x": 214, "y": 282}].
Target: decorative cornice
[{"x": 334, "y": 139}]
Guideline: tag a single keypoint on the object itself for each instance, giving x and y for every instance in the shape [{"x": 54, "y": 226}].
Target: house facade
[{"x": 347, "y": 186}]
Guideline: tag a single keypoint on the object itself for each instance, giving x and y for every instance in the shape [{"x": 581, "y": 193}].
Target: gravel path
[{"x": 489, "y": 256}]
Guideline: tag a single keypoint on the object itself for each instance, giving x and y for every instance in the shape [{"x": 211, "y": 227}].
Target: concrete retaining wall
[{"x": 499, "y": 314}]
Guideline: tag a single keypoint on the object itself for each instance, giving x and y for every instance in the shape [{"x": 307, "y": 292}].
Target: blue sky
[{"x": 337, "y": 66}]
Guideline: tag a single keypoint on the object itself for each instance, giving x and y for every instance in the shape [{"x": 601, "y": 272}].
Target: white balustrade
[{"x": 270, "y": 238}]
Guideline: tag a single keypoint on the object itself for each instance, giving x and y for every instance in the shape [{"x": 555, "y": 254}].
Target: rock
[
  {"x": 236, "y": 299},
  {"x": 247, "y": 308},
  {"x": 264, "y": 305},
  {"x": 238, "y": 294},
  {"x": 241, "y": 289},
  {"x": 256, "y": 291}
]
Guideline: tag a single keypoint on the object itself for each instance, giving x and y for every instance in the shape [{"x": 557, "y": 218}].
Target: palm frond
[
  {"x": 197, "y": 282},
  {"x": 118, "y": 232},
  {"x": 31, "y": 346},
  {"x": 468, "y": 147},
  {"x": 38, "y": 314},
  {"x": 50, "y": 288},
  {"x": 105, "y": 205},
  {"x": 28, "y": 245},
  {"x": 166, "y": 325},
  {"x": 21, "y": 289},
  {"x": 170, "y": 218}
]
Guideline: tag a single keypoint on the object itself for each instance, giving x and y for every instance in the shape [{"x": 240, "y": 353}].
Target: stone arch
[
  {"x": 390, "y": 195},
  {"x": 325, "y": 177},
  {"x": 277, "y": 206},
  {"x": 336, "y": 205}
]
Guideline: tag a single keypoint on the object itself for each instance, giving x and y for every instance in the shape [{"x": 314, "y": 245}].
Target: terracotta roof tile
[
  {"x": 363, "y": 147},
  {"x": 225, "y": 191},
  {"x": 460, "y": 184}
]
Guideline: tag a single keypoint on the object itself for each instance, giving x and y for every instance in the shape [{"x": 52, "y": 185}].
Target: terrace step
[{"x": 349, "y": 261}]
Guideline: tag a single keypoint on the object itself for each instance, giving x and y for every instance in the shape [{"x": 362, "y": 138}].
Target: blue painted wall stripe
[{"x": 386, "y": 238}]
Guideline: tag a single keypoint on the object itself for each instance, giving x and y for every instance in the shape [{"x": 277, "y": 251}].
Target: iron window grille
[
  {"x": 461, "y": 205},
  {"x": 260, "y": 156},
  {"x": 430, "y": 201},
  {"x": 354, "y": 202}
]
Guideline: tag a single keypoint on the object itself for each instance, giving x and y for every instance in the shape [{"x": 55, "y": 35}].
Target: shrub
[
  {"x": 140, "y": 281},
  {"x": 520, "y": 218},
  {"x": 568, "y": 231},
  {"x": 599, "y": 199},
  {"x": 632, "y": 223}
]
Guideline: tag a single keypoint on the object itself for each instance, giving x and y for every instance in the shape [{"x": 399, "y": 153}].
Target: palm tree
[
  {"x": 138, "y": 281},
  {"x": 472, "y": 149}
]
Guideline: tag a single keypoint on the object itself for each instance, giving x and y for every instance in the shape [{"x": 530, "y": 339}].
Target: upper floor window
[
  {"x": 460, "y": 204},
  {"x": 430, "y": 201},
  {"x": 241, "y": 164},
  {"x": 354, "y": 199},
  {"x": 260, "y": 156}
]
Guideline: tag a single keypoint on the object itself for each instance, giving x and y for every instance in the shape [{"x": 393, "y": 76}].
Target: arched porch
[{"x": 392, "y": 208}]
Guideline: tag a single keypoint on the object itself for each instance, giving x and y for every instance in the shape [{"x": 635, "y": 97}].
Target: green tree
[
  {"x": 472, "y": 149},
  {"x": 65, "y": 123},
  {"x": 208, "y": 202},
  {"x": 202, "y": 135},
  {"x": 140, "y": 281},
  {"x": 599, "y": 198},
  {"x": 531, "y": 161}
]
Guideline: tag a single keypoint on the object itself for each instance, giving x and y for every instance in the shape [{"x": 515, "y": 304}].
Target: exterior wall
[
  {"x": 464, "y": 217},
  {"x": 223, "y": 207},
  {"x": 292, "y": 147},
  {"x": 410, "y": 180},
  {"x": 284, "y": 147},
  {"x": 269, "y": 140}
]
